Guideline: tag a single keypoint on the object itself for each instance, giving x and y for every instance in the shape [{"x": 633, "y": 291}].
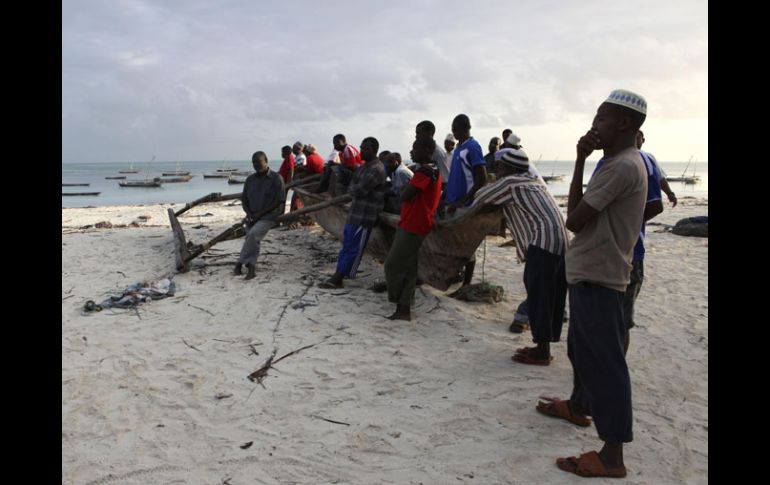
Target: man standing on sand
[
  {"x": 537, "y": 226},
  {"x": 368, "y": 190},
  {"x": 663, "y": 182},
  {"x": 606, "y": 221},
  {"x": 419, "y": 197},
  {"x": 262, "y": 200},
  {"x": 426, "y": 130}
]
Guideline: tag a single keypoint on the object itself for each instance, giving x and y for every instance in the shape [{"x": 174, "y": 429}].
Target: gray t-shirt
[
  {"x": 261, "y": 192},
  {"x": 601, "y": 252},
  {"x": 400, "y": 177},
  {"x": 443, "y": 162}
]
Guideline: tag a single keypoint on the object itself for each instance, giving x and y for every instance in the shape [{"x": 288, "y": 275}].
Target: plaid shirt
[{"x": 368, "y": 190}]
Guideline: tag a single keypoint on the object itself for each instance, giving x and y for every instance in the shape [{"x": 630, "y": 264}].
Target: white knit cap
[
  {"x": 628, "y": 99},
  {"x": 513, "y": 139},
  {"x": 451, "y": 137}
]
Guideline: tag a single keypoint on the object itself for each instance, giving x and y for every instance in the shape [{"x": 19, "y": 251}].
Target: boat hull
[{"x": 445, "y": 249}]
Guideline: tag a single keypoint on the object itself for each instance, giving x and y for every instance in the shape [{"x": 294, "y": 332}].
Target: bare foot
[{"x": 400, "y": 316}]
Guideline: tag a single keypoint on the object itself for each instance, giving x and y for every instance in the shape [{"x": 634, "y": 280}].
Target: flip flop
[
  {"x": 589, "y": 465},
  {"x": 557, "y": 408},
  {"x": 518, "y": 327}
]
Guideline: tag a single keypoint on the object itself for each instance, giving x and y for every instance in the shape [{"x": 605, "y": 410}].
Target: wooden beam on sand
[
  {"x": 180, "y": 243},
  {"x": 184, "y": 255}
]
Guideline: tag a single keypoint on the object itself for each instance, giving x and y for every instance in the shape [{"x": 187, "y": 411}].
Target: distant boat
[
  {"x": 688, "y": 180},
  {"x": 237, "y": 179},
  {"x": 74, "y": 185},
  {"x": 552, "y": 177},
  {"x": 130, "y": 170},
  {"x": 218, "y": 175},
  {"x": 176, "y": 179},
  {"x": 119, "y": 177},
  {"x": 177, "y": 172},
  {"x": 154, "y": 182},
  {"x": 80, "y": 193}
]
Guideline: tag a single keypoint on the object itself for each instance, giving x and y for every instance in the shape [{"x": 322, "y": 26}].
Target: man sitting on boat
[
  {"x": 263, "y": 200},
  {"x": 537, "y": 226},
  {"x": 367, "y": 188},
  {"x": 337, "y": 175}
]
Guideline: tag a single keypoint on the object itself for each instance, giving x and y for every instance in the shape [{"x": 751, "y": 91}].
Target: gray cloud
[{"x": 205, "y": 80}]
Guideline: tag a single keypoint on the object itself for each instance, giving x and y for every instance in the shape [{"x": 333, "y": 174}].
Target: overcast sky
[{"x": 208, "y": 80}]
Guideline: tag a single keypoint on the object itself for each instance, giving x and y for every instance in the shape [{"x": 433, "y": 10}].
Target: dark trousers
[
  {"x": 546, "y": 287},
  {"x": 602, "y": 385},
  {"x": 632, "y": 291},
  {"x": 401, "y": 267}
]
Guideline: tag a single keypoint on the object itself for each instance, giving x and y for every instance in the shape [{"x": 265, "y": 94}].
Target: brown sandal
[
  {"x": 557, "y": 408},
  {"x": 589, "y": 465}
]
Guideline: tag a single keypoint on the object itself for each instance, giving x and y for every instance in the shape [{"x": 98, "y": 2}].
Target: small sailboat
[
  {"x": 689, "y": 180},
  {"x": 177, "y": 171},
  {"x": 147, "y": 182},
  {"x": 552, "y": 177},
  {"x": 130, "y": 170}
]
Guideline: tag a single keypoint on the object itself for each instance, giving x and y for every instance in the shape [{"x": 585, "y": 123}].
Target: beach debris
[
  {"x": 191, "y": 346},
  {"x": 200, "y": 226},
  {"x": 330, "y": 420},
  {"x": 247, "y": 445},
  {"x": 135, "y": 294},
  {"x": 144, "y": 218},
  {"x": 483, "y": 292},
  {"x": 692, "y": 226},
  {"x": 259, "y": 375},
  {"x": 301, "y": 304},
  {"x": 102, "y": 225},
  {"x": 222, "y": 395}
]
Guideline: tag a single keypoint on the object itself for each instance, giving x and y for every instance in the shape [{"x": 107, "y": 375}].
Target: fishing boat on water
[
  {"x": 153, "y": 182},
  {"x": 130, "y": 170},
  {"x": 80, "y": 193},
  {"x": 176, "y": 172},
  {"x": 74, "y": 185},
  {"x": 176, "y": 179}
]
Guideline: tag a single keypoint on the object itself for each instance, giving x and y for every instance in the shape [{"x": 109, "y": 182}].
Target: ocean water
[{"x": 112, "y": 194}]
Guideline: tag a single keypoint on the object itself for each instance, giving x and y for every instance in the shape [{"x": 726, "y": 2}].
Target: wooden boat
[
  {"x": 176, "y": 172},
  {"x": 552, "y": 178},
  {"x": 176, "y": 179},
  {"x": 154, "y": 182},
  {"x": 236, "y": 179},
  {"x": 444, "y": 251},
  {"x": 80, "y": 193},
  {"x": 217, "y": 175},
  {"x": 688, "y": 180},
  {"x": 130, "y": 170},
  {"x": 119, "y": 177},
  {"x": 74, "y": 185}
]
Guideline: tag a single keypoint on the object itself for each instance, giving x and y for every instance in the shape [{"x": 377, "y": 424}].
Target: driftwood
[
  {"x": 184, "y": 253},
  {"x": 218, "y": 197}
]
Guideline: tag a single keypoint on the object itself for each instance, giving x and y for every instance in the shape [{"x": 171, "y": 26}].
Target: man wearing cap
[
  {"x": 537, "y": 226},
  {"x": 606, "y": 221}
]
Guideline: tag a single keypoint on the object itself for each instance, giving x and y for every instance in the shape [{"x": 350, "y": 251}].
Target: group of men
[{"x": 601, "y": 267}]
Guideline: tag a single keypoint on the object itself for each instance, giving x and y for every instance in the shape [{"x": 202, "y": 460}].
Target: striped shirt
[
  {"x": 368, "y": 190},
  {"x": 531, "y": 212}
]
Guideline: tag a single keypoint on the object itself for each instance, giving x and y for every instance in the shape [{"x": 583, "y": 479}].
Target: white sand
[{"x": 435, "y": 400}]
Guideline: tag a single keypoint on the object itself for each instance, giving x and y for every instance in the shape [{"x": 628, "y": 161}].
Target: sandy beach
[{"x": 160, "y": 395}]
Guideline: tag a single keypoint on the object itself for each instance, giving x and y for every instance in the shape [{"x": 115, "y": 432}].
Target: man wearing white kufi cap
[{"x": 606, "y": 221}]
